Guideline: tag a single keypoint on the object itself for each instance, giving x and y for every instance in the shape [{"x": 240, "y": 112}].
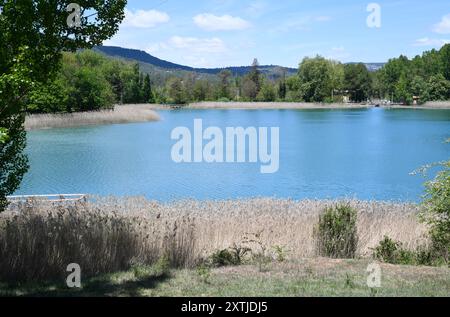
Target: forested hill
[{"x": 143, "y": 57}]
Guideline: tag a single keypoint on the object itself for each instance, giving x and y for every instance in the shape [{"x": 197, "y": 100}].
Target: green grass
[{"x": 315, "y": 277}]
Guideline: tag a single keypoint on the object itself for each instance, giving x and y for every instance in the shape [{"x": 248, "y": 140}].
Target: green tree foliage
[
  {"x": 147, "y": 90},
  {"x": 437, "y": 212},
  {"x": 438, "y": 88},
  {"x": 33, "y": 33},
  {"x": 249, "y": 89},
  {"x": 255, "y": 74},
  {"x": 251, "y": 84},
  {"x": 201, "y": 91},
  {"x": 89, "y": 81},
  {"x": 445, "y": 61},
  {"x": 224, "y": 84},
  {"x": 357, "y": 82},
  {"x": 3, "y": 135},
  {"x": 425, "y": 76},
  {"x": 267, "y": 93},
  {"x": 91, "y": 91},
  {"x": 317, "y": 79},
  {"x": 175, "y": 91}
]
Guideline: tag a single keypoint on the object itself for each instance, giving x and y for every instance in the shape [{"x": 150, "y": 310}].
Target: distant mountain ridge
[{"x": 144, "y": 57}]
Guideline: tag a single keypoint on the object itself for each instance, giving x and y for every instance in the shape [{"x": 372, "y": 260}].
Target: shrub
[
  {"x": 387, "y": 250},
  {"x": 437, "y": 212},
  {"x": 390, "y": 251},
  {"x": 225, "y": 257},
  {"x": 204, "y": 273},
  {"x": 336, "y": 233},
  {"x": 280, "y": 253}
]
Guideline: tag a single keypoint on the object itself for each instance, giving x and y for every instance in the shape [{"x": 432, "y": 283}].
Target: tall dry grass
[
  {"x": 38, "y": 239},
  {"x": 120, "y": 114}
]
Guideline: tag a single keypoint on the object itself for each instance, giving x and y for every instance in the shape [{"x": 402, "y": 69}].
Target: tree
[
  {"x": 391, "y": 72},
  {"x": 91, "y": 91},
  {"x": 445, "y": 60},
  {"x": 201, "y": 90},
  {"x": 437, "y": 212},
  {"x": 175, "y": 90},
  {"x": 316, "y": 77},
  {"x": 136, "y": 87},
  {"x": 267, "y": 92},
  {"x": 438, "y": 88},
  {"x": 147, "y": 90},
  {"x": 357, "y": 81},
  {"x": 249, "y": 89},
  {"x": 251, "y": 84},
  {"x": 282, "y": 87},
  {"x": 224, "y": 83},
  {"x": 33, "y": 34},
  {"x": 294, "y": 92},
  {"x": 419, "y": 88},
  {"x": 402, "y": 93}
]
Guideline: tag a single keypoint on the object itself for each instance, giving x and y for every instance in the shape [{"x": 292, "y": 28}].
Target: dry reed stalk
[
  {"x": 121, "y": 114},
  {"x": 39, "y": 239}
]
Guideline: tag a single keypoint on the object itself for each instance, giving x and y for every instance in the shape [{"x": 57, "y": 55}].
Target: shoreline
[
  {"x": 206, "y": 105},
  {"x": 139, "y": 113}
]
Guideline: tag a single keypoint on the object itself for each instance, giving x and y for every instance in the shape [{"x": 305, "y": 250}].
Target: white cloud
[
  {"x": 299, "y": 23},
  {"x": 322, "y": 18},
  {"x": 443, "y": 27},
  {"x": 257, "y": 8},
  {"x": 211, "y": 22},
  {"x": 431, "y": 42},
  {"x": 213, "y": 45},
  {"x": 338, "y": 53},
  {"x": 145, "y": 19},
  {"x": 192, "y": 51}
]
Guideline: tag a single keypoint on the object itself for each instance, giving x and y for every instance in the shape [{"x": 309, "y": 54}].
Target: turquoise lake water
[{"x": 365, "y": 154}]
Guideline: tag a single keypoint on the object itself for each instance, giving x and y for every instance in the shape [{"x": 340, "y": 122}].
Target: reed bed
[
  {"x": 39, "y": 239},
  {"x": 120, "y": 114}
]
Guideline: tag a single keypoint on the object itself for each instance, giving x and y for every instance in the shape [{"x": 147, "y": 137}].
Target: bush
[
  {"x": 336, "y": 232},
  {"x": 437, "y": 212},
  {"x": 225, "y": 258},
  {"x": 392, "y": 252}
]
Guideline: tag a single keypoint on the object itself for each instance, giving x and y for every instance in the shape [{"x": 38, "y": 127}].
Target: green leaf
[{"x": 3, "y": 135}]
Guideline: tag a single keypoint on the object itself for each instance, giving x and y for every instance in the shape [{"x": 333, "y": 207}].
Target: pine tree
[{"x": 147, "y": 90}]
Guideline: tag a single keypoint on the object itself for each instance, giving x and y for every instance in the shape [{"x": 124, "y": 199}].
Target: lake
[{"x": 366, "y": 154}]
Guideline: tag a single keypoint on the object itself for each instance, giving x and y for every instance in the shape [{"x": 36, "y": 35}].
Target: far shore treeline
[{"x": 90, "y": 81}]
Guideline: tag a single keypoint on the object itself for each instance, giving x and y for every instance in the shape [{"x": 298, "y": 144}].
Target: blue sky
[{"x": 218, "y": 33}]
